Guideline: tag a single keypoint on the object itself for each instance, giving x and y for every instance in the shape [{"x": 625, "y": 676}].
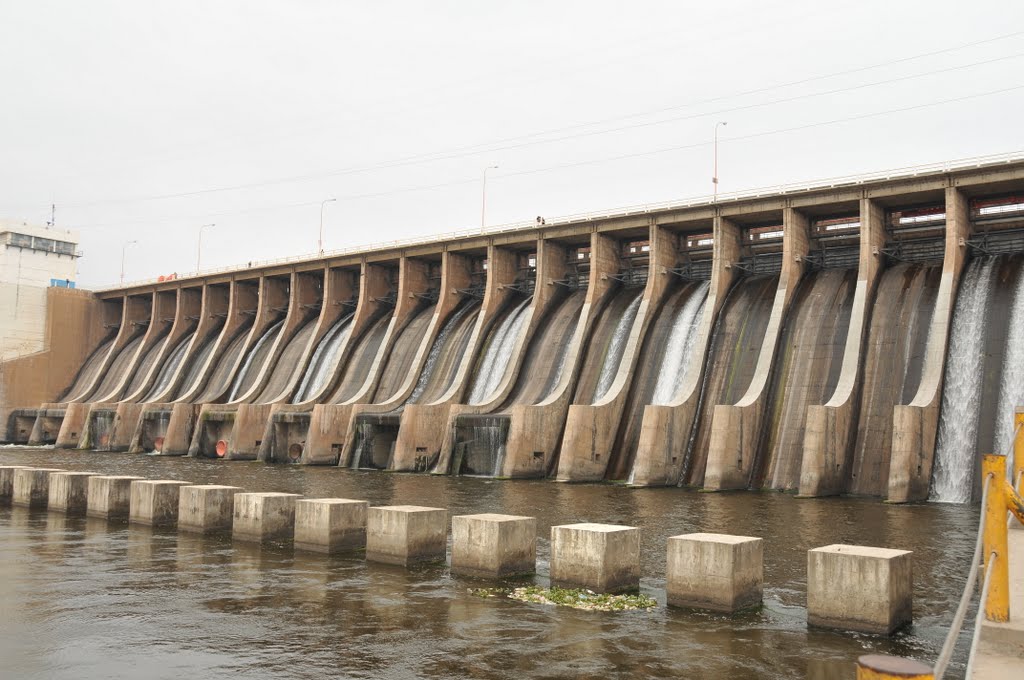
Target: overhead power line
[
  {"x": 475, "y": 150},
  {"x": 597, "y": 161}
]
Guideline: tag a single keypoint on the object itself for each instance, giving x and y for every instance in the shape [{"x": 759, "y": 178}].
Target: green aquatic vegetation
[{"x": 576, "y": 598}]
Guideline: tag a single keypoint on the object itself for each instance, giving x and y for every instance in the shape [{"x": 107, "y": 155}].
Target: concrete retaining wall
[
  {"x": 590, "y": 429},
  {"x": 422, "y": 426},
  {"x": 916, "y": 425},
  {"x": 736, "y": 429},
  {"x": 665, "y": 429},
  {"x": 551, "y": 267},
  {"x": 829, "y": 429},
  {"x": 537, "y": 428}
]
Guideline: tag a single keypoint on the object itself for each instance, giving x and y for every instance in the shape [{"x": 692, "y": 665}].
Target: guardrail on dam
[{"x": 795, "y": 340}]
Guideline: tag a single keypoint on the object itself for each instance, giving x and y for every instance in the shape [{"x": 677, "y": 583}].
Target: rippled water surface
[{"x": 81, "y": 598}]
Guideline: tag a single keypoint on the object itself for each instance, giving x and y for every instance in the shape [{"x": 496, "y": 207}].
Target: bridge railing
[
  {"x": 999, "y": 498},
  {"x": 640, "y": 209}
]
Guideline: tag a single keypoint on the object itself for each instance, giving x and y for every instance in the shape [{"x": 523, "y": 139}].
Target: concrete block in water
[
  {"x": 715, "y": 571},
  {"x": 32, "y": 487},
  {"x": 330, "y": 525},
  {"x": 853, "y": 587},
  {"x": 154, "y": 502},
  {"x": 264, "y": 516},
  {"x": 206, "y": 508},
  {"x": 602, "y": 557},
  {"x": 403, "y": 534},
  {"x": 491, "y": 545},
  {"x": 69, "y": 492},
  {"x": 7, "y": 482},
  {"x": 110, "y": 496}
]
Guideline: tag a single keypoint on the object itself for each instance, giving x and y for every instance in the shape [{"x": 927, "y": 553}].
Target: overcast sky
[{"x": 144, "y": 120}]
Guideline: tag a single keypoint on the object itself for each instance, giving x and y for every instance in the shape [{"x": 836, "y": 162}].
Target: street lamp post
[
  {"x": 199, "y": 248},
  {"x": 124, "y": 249},
  {"x": 714, "y": 179},
  {"x": 483, "y": 198},
  {"x": 320, "y": 241}
]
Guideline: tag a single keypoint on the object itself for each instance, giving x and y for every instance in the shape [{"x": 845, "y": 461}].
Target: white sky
[{"x": 113, "y": 110}]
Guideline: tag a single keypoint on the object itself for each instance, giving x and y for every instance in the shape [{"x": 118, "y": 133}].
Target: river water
[{"x": 81, "y": 598}]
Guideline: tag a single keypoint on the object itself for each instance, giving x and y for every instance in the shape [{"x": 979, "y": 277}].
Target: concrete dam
[{"x": 864, "y": 337}]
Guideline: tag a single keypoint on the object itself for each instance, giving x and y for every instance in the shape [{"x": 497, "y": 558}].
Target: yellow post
[
  {"x": 1018, "y": 446},
  {"x": 881, "y": 667},
  {"x": 994, "y": 537}
]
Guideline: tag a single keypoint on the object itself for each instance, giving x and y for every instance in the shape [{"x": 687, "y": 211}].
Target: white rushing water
[
  {"x": 170, "y": 367},
  {"x": 323, "y": 359},
  {"x": 616, "y": 348},
  {"x": 679, "y": 347},
  {"x": 440, "y": 342},
  {"x": 1011, "y": 388},
  {"x": 961, "y": 396},
  {"x": 496, "y": 359},
  {"x": 247, "y": 364}
]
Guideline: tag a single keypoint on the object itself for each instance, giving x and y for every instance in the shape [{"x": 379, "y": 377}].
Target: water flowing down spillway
[
  {"x": 732, "y": 360},
  {"x": 324, "y": 359},
  {"x": 116, "y": 372},
  {"x": 254, "y": 360},
  {"x": 360, "y": 361},
  {"x": 974, "y": 376},
  {"x": 1011, "y": 389},
  {"x": 446, "y": 354},
  {"x": 499, "y": 345},
  {"x": 546, "y": 356},
  {"x": 195, "y": 362},
  {"x": 169, "y": 368},
  {"x": 376, "y": 433},
  {"x": 144, "y": 367},
  {"x": 484, "y": 436},
  {"x": 896, "y": 343},
  {"x": 284, "y": 372},
  {"x": 607, "y": 345},
  {"x": 806, "y": 371},
  {"x": 398, "y": 363},
  {"x": 661, "y": 354},
  {"x": 85, "y": 376},
  {"x": 218, "y": 382},
  {"x": 678, "y": 354}
]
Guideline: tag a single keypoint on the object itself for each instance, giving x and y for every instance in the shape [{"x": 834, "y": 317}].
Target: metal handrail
[
  {"x": 980, "y": 616},
  {"x": 1007, "y": 499},
  {"x": 639, "y": 209},
  {"x": 965, "y": 599}
]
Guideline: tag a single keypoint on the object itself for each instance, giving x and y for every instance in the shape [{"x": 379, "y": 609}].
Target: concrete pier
[
  {"x": 915, "y": 426},
  {"x": 154, "y": 502},
  {"x": 32, "y": 487},
  {"x": 404, "y": 534},
  {"x": 852, "y": 587},
  {"x": 492, "y": 546},
  {"x": 665, "y": 429},
  {"x": 263, "y": 517},
  {"x": 7, "y": 482},
  {"x": 206, "y": 508},
  {"x": 110, "y": 496},
  {"x": 69, "y": 492},
  {"x": 602, "y": 557},
  {"x": 715, "y": 571},
  {"x": 330, "y": 525},
  {"x": 736, "y": 428}
]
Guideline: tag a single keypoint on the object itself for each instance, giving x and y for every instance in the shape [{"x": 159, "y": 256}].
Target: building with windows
[{"x": 32, "y": 258}]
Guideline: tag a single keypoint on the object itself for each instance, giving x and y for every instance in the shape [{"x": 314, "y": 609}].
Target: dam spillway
[{"x": 815, "y": 341}]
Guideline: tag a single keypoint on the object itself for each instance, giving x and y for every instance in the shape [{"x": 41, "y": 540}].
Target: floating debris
[{"x": 576, "y": 598}]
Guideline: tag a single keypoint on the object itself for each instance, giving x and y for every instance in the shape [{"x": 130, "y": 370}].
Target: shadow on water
[{"x": 87, "y": 598}]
